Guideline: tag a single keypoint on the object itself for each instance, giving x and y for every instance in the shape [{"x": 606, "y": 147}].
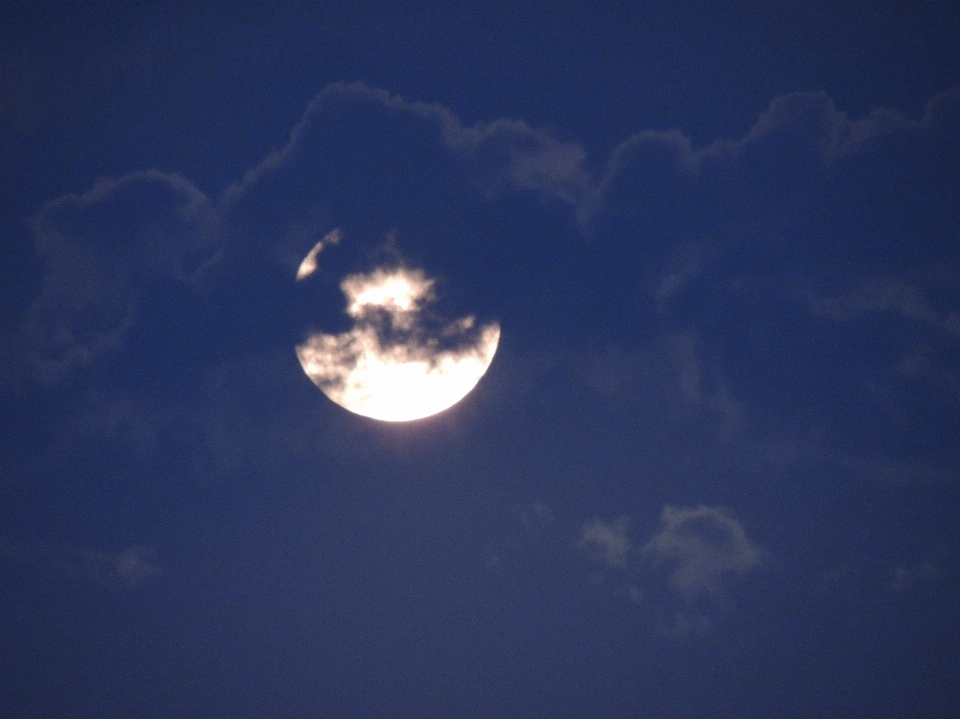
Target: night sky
[{"x": 712, "y": 472}]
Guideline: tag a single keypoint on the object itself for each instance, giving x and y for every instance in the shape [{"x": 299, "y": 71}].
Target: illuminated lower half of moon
[{"x": 396, "y": 381}]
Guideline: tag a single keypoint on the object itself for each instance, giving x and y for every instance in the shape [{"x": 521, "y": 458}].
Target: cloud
[
  {"x": 783, "y": 156},
  {"x": 684, "y": 625},
  {"x": 607, "y": 541},
  {"x": 812, "y": 120},
  {"x": 112, "y": 252},
  {"x": 806, "y": 192},
  {"x": 883, "y": 469},
  {"x": 671, "y": 377},
  {"x": 502, "y": 154},
  {"x": 906, "y": 577},
  {"x": 807, "y": 197},
  {"x": 535, "y": 518},
  {"x": 874, "y": 294},
  {"x": 704, "y": 546},
  {"x": 703, "y": 552},
  {"x": 102, "y": 250},
  {"x": 135, "y": 565},
  {"x": 913, "y": 379},
  {"x": 132, "y": 566}
]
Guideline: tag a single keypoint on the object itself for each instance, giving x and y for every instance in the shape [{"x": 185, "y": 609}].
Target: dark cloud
[
  {"x": 757, "y": 263},
  {"x": 105, "y": 252},
  {"x": 908, "y": 577},
  {"x": 677, "y": 281}
]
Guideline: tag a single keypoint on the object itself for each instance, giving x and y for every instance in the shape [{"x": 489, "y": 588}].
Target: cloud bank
[{"x": 811, "y": 215}]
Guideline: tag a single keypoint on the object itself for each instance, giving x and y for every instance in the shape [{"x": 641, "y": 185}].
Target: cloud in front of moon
[{"x": 397, "y": 363}]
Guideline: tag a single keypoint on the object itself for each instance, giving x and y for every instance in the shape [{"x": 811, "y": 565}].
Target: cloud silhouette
[
  {"x": 807, "y": 217},
  {"x": 103, "y": 250}
]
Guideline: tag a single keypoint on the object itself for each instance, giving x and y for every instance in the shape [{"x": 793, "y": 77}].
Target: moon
[{"x": 398, "y": 362}]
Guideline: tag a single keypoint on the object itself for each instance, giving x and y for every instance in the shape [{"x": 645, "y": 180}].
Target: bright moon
[{"x": 389, "y": 366}]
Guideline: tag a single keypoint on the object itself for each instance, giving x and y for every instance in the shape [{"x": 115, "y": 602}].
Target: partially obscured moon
[{"x": 393, "y": 365}]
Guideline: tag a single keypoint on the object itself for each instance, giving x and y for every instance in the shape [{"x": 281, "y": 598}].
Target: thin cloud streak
[{"x": 133, "y": 566}]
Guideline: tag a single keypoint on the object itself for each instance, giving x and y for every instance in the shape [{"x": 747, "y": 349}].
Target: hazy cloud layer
[{"x": 876, "y": 295}]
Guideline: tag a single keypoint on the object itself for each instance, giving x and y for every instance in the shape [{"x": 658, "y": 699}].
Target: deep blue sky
[{"x": 713, "y": 471}]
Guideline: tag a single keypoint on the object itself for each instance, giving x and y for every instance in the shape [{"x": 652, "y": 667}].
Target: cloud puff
[
  {"x": 703, "y": 551},
  {"x": 329, "y": 171},
  {"x": 359, "y": 155},
  {"x": 507, "y": 154},
  {"x": 703, "y": 546},
  {"x": 798, "y": 122},
  {"x": 926, "y": 343},
  {"x": 607, "y": 541},
  {"x": 807, "y": 198},
  {"x": 783, "y": 180}
]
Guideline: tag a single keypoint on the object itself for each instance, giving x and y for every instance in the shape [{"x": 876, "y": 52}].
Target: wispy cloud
[
  {"x": 704, "y": 546},
  {"x": 705, "y": 550},
  {"x": 607, "y": 541},
  {"x": 132, "y": 566},
  {"x": 874, "y": 295},
  {"x": 909, "y": 576}
]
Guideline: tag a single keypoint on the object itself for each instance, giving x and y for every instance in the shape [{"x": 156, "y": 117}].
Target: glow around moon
[{"x": 394, "y": 364}]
